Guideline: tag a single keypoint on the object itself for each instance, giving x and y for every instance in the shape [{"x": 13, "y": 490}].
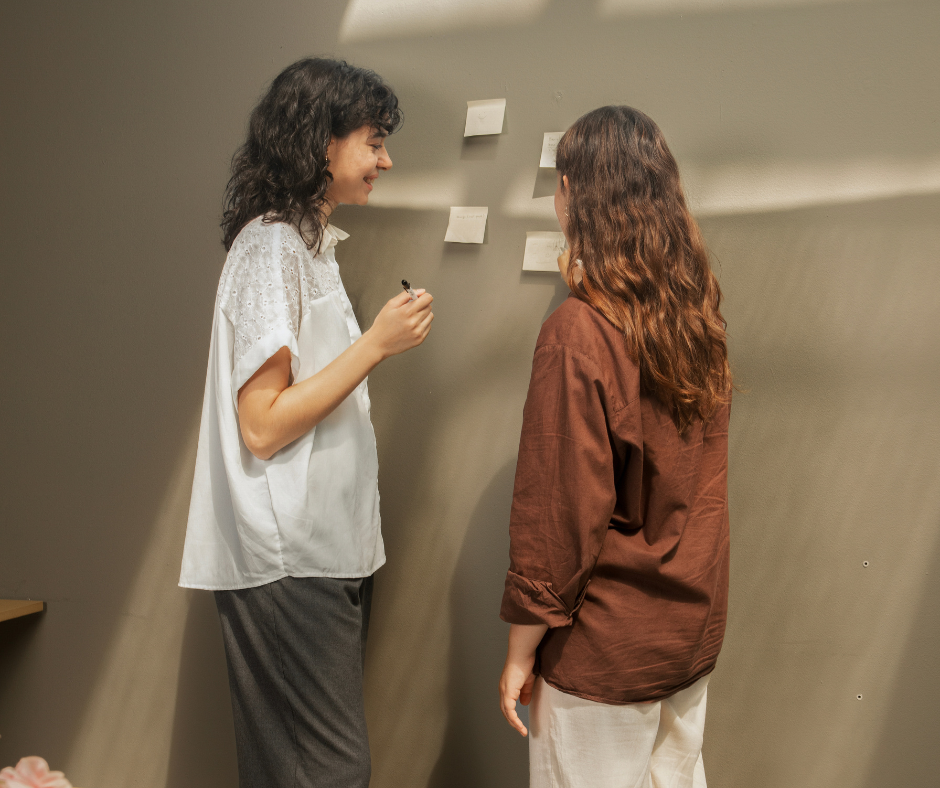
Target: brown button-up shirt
[{"x": 619, "y": 526}]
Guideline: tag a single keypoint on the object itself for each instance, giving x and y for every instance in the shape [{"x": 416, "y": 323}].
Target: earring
[{"x": 326, "y": 161}]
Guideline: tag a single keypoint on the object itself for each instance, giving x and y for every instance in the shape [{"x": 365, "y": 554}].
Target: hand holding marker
[{"x": 403, "y": 323}]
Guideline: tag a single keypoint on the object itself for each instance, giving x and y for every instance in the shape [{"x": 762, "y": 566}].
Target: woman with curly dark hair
[
  {"x": 284, "y": 520},
  {"x": 618, "y": 580}
]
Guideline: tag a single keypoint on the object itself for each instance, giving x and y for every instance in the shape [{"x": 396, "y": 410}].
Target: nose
[{"x": 385, "y": 161}]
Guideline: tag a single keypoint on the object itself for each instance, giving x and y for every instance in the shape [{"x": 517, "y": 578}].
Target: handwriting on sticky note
[
  {"x": 549, "y": 147},
  {"x": 466, "y": 225},
  {"x": 542, "y": 250},
  {"x": 485, "y": 117}
]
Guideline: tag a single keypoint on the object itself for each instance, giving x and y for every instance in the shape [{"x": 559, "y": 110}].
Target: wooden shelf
[{"x": 14, "y": 608}]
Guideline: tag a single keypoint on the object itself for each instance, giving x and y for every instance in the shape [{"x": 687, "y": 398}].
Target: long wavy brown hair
[{"x": 644, "y": 265}]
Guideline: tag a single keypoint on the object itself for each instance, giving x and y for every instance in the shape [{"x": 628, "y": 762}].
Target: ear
[
  {"x": 564, "y": 180},
  {"x": 331, "y": 149}
]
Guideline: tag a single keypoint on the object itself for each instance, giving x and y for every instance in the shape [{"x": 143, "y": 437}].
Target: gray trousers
[{"x": 295, "y": 651}]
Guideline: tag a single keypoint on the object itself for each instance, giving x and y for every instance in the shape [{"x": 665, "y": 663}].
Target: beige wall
[{"x": 809, "y": 135}]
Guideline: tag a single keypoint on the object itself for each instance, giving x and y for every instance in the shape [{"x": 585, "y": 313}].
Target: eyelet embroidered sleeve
[{"x": 260, "y": 295}]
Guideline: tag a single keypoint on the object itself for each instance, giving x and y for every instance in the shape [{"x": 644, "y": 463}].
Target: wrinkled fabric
[
  {"x": 619, "y": 536},
  {"x": 295, "y": 650},
  {"x": 577, "y": 743}
]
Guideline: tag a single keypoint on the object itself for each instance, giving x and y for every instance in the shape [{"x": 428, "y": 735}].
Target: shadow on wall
[
  {"x": 479, "y": 747},
  {"x": 17, "y": 639},
  {"x": 202, "y": 752},
  {"x": 446, "y": 417}
]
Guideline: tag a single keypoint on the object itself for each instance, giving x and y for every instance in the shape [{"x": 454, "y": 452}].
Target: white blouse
[{"x": 312, "y": 509}]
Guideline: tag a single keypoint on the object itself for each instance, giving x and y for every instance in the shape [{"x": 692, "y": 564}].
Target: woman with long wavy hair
[
  {"x": 284, "y": 520},
  {"x": 618, "y": 580}
]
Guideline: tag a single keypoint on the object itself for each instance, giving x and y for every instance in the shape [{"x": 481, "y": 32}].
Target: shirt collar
[{"x": 332, "y": 235}]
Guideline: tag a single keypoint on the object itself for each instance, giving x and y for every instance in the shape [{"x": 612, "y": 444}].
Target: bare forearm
[
  {"x": 281, "y": 418},
  {"x": 272, "y": 413},
  {"x": 524, "y": 640}
]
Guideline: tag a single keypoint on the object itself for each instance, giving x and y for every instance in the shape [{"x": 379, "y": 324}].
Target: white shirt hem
[{"x": 265, "y": 581}]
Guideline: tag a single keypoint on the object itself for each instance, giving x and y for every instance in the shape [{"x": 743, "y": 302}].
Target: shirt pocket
[{"x": 323, "y": 334}]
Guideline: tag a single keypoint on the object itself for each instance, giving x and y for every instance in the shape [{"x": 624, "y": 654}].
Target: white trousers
[{"x": 577, "y": 743}]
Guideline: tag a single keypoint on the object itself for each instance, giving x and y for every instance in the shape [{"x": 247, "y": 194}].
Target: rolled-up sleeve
[{"x": 565, "y": 489}]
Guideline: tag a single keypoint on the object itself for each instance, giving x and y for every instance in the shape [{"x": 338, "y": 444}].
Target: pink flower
[{"x": 32, "y": 773}]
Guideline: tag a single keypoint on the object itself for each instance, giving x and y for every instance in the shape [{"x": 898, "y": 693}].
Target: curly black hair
[{"x": 281, "y": 169}]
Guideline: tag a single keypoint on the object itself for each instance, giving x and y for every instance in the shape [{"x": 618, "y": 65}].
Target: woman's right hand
[
  {"x": 402, "y": 324},
  {"x": 515, "y": 684},
  {"x": 517, "y": 680},
  {"x": 272, "y": 412}
]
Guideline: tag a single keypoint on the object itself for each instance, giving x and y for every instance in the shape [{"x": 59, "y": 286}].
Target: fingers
[
  {"x": 507, "y": 699},
  {"x": 400, "y": 300},
  {"x": 423, "y": 328},
  {"x": 525, "y": 694},
  {"x": 402, "y": 323},
  {"x": 509, "y": 712},
  {"x": 422, "y": 302},
  {"x": 425, "y": 325}
]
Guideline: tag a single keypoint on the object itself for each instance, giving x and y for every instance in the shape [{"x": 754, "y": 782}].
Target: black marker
[{"x": 407, "y": 288}]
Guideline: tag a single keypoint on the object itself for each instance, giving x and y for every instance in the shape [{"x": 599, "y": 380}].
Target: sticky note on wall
[
  {"x": 549, "y": 146},
  {"x": 485, "y": 117},
  {"x": 466, "y": 225},
  {"x": 542, "y": 250}
]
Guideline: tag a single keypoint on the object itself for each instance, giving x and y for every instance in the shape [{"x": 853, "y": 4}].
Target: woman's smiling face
[{"x": 355, "y": 162}]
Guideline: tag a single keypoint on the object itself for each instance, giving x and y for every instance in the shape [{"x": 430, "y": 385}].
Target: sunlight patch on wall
[
  {"x": 646, "y": 7},
  {"x": 368, "y": 20},
  {"x": 753, "y": 187},
  {"x": 776, "y": 186},
  {"x": 125, "y": 735},
  {"x": 427, "y": 191}
]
